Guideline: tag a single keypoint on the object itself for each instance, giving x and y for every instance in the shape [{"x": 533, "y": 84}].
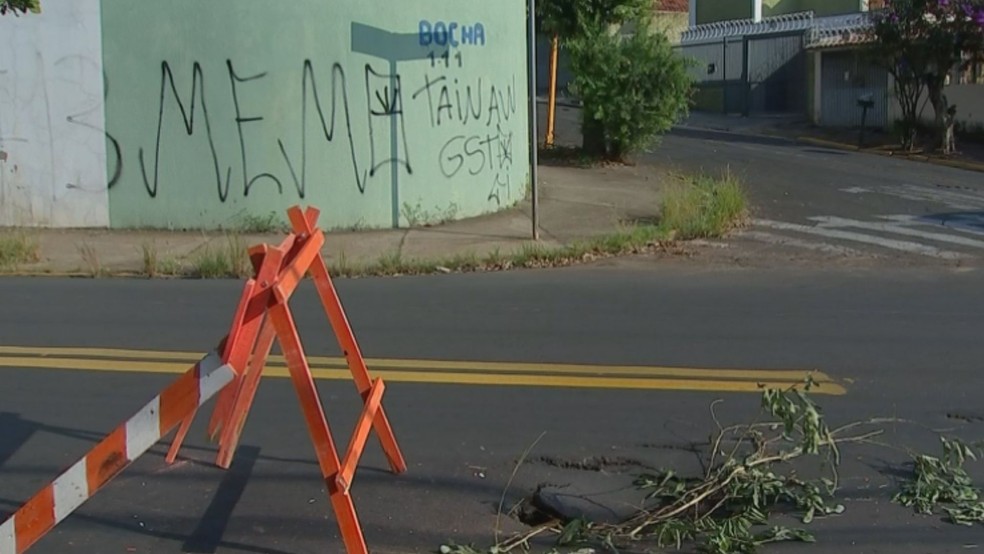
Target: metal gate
[
  {"x": 719, "y": 73},
  {"x": 777, "y": 73},
  {"x": 845, "y": 78}
]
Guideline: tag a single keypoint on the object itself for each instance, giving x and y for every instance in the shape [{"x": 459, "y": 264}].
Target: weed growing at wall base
[
  {"x": 230, "y": 259},
  {"x": 154, "y": 265},
  {"x": 90, "y": 257},
  {"x": 16, "y": 248},
  {"x": 703, "y": 207}
]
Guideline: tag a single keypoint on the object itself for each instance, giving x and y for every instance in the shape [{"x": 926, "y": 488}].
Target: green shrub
[{"x": 634, "y": 88}]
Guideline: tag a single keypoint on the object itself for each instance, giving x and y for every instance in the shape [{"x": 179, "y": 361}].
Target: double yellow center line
[{"x": 436, "y": 371}]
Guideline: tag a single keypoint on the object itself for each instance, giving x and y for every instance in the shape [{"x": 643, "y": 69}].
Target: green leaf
[{"x": 571, "y": 532}]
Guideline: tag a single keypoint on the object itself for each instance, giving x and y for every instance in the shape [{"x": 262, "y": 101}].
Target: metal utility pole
[{"x": 534, "y": 141}]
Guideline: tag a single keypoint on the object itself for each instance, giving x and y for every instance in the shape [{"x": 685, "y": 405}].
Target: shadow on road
[
  {"x": 207, "y": 537},
  {"x": 724, "y": 136},
  {"x": 825, "y": 151},
  {"x": 966, "y": 221},
  {"x": 16, "y": 432}
]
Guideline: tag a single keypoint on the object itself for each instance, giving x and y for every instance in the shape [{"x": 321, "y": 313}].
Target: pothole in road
[{"x": 593, "y": 463}]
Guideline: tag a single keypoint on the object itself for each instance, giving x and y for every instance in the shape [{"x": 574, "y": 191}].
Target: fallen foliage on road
[{"x": 750, "y": 482}]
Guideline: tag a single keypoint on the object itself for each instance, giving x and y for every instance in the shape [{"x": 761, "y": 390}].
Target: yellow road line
[
  {"x": 464, "y": 378},
  {"x": 432, "y": 377},
  {"x": 463, "y": 366}
]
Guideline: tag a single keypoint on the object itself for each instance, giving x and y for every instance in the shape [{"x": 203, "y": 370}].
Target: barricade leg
[
  {"x": 357, "y": 443},
  {"x": 245, "y": 395},
  {"x": 317, "y": 423},
  {"x": 246, "y": 326},
  {"x": 303, "y": 222}
]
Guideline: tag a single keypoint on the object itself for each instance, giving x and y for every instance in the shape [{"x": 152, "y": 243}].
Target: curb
[{"x": 958, "y": 164}]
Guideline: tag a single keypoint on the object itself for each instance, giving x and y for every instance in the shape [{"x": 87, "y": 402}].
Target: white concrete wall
[
  {"x": 968, "y": 98},
  {"x": 970, "y": 103},
  {"x": 52, "y": 144}
]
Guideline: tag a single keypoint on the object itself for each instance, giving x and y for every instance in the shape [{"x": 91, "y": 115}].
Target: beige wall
[{"x": 969, "y": 100}]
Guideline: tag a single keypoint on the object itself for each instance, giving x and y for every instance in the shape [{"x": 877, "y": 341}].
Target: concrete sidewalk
[{"x": 575, "y": 203}]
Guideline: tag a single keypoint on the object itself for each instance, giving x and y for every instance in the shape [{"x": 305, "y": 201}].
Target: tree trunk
[
  {"x": 593, "y": 138},
  {"x": 940, "y": 109}
]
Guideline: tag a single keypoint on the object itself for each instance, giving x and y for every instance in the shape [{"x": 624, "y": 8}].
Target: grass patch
[
  {"x": 16, "y": 248},
  {"x": 703, "y": 207},
  {"x": 90, "y": 258},
  {"x": 230, "y": 259},
  {"x": 632, "y": 239},
  {"x": 154, "y": 265}
]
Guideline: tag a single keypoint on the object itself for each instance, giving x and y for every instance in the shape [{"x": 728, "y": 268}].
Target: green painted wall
[
  {"x": 709, "y": 11},
  {"x": 819, "y": 7},
  {"x": 219, "y": 110}
]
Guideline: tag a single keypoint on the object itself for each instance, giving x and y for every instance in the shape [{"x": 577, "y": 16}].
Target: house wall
[
  {"x": 968, "y": 98},
  {"x": 190, "y": 114},
  {"x": 771, "y": 8},
  {"x": 52, "y": 150},
  {"x": 710, "y": 11}
]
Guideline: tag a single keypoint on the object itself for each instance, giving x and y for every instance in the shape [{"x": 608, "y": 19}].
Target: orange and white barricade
[{"x": 233, "y": 374}]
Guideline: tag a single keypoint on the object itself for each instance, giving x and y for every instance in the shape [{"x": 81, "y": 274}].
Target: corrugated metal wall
[
  {"x": 845, "y": 78},
  {"x": 777, "y": 74},
  {"x": 719, "y": 73}
]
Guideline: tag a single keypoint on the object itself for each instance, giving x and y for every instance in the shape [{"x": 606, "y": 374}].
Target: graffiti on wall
[
  {"x": 101, "y": 121},
  {"x": 471, "y": 116}
]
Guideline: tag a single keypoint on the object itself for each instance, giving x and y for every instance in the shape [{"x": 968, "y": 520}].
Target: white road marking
[
  {"x": 951, "y": 198},
  {"x": 835, "y": 222},
  {"x": 904, "y": 246},
  {"x": 856, "y": 190},
  {"x": 966, "y": 223},
  {"x": 798, "y": 243}
]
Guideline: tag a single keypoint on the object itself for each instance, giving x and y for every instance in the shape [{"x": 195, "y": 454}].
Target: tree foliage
[
  {"x": 570, "y": 18},
  {"x": 19, "y": 6},
  {"x": 920, "y": 42},
  {"x": 632, "y": 85},
  {"x": 633, "y": 88}
]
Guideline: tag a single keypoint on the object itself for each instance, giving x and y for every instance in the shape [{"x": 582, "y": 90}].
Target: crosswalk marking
[
  {"x": 965, "y": 223},
  {"x": 938, "y": 195},
  {"x": 799, "y": 243},
  {"x": 839, "y": 234},
  {"x": 834, "y": 222}
]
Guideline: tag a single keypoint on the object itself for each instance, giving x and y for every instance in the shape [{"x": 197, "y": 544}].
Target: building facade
[{"x": 802, "y": 57}]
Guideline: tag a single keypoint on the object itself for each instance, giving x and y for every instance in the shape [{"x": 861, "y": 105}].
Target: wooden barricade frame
[{"x": 262, "y": 317}]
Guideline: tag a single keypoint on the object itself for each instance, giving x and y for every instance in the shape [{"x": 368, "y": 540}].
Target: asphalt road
[
  {"x": 904, "y": 344},
  {"x": 841, "y": 204},
  {"x": 825, "y": 206}
]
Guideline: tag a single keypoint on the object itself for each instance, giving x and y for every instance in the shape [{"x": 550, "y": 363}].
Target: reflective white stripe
[
  {"x": 902, "y": 245},
  {"x": 8, "y": 544},
  {"x": 143, "y": 430},
  {"x": 212, "y": 377},
  {"x": 71, "y": 490},
  {"x": 826, "y": 221}
]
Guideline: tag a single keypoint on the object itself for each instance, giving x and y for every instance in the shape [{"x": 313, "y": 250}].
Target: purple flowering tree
[{"x": 920, "y": 42}]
